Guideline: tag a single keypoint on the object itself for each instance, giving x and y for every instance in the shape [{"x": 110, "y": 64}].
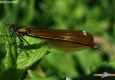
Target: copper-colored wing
[{"x": 64, "y": 39}]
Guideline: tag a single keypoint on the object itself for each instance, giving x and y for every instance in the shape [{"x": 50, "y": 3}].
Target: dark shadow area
[{"x": 11, "y": 74}]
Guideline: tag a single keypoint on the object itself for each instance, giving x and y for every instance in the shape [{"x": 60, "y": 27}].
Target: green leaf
[
  {"x": 11, "y": 47},
  {"x": 104, "y": 64},
  {"x": 112, "y": 64},
  {"x": 28, "y": 57}
]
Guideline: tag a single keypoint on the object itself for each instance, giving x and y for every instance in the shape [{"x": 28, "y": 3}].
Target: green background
[{"x": 94, "y": 16}]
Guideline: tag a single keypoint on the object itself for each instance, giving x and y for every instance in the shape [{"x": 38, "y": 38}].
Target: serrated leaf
[
  {"x": 112, "y": 64},
  {"x": 104, "y": 64}
]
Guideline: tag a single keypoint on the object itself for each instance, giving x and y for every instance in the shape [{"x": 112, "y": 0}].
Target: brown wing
[
  {"x": 63, "y": 45},
  {"x": 67, "y": 39}
]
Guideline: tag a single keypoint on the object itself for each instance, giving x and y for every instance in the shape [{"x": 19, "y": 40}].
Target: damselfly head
[{"x": 13, "y": 27}]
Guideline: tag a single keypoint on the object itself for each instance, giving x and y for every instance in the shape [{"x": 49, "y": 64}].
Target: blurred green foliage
[{"x": 95, "y": 16}]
